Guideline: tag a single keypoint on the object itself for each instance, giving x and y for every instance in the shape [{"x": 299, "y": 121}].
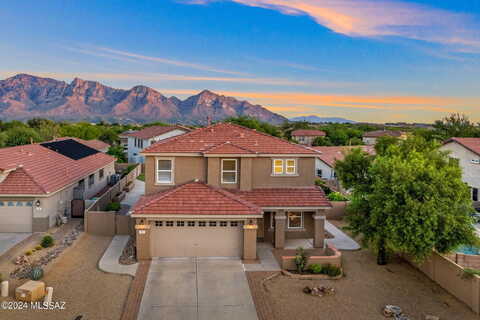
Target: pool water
[{"x": 469, "y": 250}]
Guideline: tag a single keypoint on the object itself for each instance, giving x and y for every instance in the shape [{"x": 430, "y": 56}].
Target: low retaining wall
[
  {"x": 108, "y": 223},
  {"x": 332, "y": 256},
  {"x": 338, "y": 210},
  {"x": 448, "y": 275}
]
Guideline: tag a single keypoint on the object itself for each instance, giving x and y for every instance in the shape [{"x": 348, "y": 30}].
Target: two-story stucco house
[
  {"x": 218, "y": 190},
  {"x": 467, "y": 151},
  {"x": 38, "y": 182},
  {"x": 141, "y": 139},
  {"x": 306, "y": 136}
]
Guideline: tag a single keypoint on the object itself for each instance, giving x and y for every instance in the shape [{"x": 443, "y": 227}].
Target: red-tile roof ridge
[
  {"x": 228, "y": 144},
  {"x": 150, "y": 199},
  {"x": 21, "y": 171},
  {"x": 329, "y": 154},
  {"x": 309, "y": 132},
  {"x": 472, "y": 144},
  {"x": 151, "y": 149}
]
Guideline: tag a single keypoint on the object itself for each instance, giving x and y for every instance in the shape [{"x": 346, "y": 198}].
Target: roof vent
[
  {"x": 242, "y": 135},
  {"x": 195, "y": 180}
]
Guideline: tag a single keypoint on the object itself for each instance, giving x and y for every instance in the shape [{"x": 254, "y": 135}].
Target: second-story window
[
  {"x": 229, "y": 171},
  {"x": 165, "y": 171},
  {"x": 284, "y": 166},
  {"x": 91, "y": 180}
]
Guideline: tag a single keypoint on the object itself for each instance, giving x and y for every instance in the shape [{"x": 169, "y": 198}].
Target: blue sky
[{"x": 367, "y": 60}]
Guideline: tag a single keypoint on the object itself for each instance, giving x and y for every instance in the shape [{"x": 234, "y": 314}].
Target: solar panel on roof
[{"x": 70, "y": 148}]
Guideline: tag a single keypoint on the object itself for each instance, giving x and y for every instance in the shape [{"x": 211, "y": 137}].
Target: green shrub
[
  {"x": 320, "y": 183},
  {"x": 300, "y": 260},
  {"x": 28, "y": 252},
  {"x": 469, "y": 273},
  {"x": 331, "y": 270},
  {"x": 113, "y": 206},
  {"x": 141, "y": 177},
  {"x": 36, "y": 273},
  {"x": 39, "y": 247},
  {"x": 47, "y": 241},
  {"x": 336, "y": 196},
  {"x": 315, "y": 268}
]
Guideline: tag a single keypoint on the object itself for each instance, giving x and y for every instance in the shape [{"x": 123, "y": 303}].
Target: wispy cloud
[
  {"x": 122, "y": 55},
  {"x": 380, "y": 18}
]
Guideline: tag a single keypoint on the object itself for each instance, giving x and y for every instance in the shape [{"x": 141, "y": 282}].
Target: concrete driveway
[
  {"x": 197, "y": 289},
  {"x": 8, "y": 240}
]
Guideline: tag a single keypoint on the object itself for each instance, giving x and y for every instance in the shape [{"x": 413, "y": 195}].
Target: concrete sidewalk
[
  {"x": 266, "y": 257},
  {"x": 109, "y": 261},
  {"x": 340, "y": 240},
  {"x": 132, "y": 197}
]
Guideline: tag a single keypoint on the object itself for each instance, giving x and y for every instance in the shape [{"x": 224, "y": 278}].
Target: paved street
[{"x": 197, "y": 289}]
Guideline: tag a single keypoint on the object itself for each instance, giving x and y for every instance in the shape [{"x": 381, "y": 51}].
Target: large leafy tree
[
  {"x": 456, "y": 125},
  {"x": 409, "y": 199},
  {"x": 254, "y": 123}
]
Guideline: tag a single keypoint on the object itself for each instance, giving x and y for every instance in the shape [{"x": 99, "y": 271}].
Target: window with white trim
[
  {"x": 290, "y": 166},
  {"x": 165, "y": 171},
  {"x": 229, "y": 170},
  {"x": 284, "y": 166},
  {"x": 294, "y": 220}
]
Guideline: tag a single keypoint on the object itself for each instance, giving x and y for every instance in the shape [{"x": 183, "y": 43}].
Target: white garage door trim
[
  {"x": 189, "y": 238},
  {"x": 15, "y": 216}
]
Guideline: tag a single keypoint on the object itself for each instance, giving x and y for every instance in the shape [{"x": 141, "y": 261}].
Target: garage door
[
  {"x": 15, "y": 216},
  {"x": 197, "y": 239}
]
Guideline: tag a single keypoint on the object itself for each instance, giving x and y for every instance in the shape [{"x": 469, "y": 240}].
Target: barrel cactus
[{"x": 36, "y": 273}]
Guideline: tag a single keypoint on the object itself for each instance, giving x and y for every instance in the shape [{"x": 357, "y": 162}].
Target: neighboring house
[
  {"x": 325, "y": 162},
  {"x": 216, "y": 190},
  {"x": 124, "y": 140},
  {"x": 95, "y": 144},
  {"x": 38, "y": 182},
  {"x": 306, "y": 137},
  {"x": 467, "y": 151},
  {"x": 141, "y": 139},
  {"x": 370, "y": 138}
]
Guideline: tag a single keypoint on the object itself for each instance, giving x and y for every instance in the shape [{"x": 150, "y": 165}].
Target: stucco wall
[
  {"x": 307, "y": 232},
  {"x": 133, "y": 152},
  {"x": 327, "y": 171},
  {"x": 262, "y": 174},
  {"x": 470, "y": 171}
]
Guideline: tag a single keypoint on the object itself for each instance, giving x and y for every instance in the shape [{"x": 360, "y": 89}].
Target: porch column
[
  {"x": 250, "y": 241},
  {"x": 280, "y": 220},
  {"x": 142, "y": 232},
  {"x": 319, "y": 229}
]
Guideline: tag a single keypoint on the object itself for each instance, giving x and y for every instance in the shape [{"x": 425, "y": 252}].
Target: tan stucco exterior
[{"x": 252, "y": 172}]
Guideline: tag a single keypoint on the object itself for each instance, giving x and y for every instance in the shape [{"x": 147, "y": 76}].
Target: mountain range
[
  {"x": 25, "y": 96},
  {"x": 316, "y": 119}
]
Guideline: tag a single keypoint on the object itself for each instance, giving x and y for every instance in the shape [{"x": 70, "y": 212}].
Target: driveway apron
[{"x": 197, "y": 289}]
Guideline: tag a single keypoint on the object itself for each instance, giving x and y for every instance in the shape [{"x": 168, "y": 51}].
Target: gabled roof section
[
  {"x": 308, "y": 133},
  {"x": 228, "y": 148},
  {"x": 195, "y": 198},
  {"x": 154, "y": 131},
  {"x": 331, "y": 154},
  {"x": 204, "y": 139},
  {"x": 36, "y": 170},
  {"x": 472, "y": 144}
]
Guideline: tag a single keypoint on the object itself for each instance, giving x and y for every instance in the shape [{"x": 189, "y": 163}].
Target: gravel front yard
[
  {"x": 86, "y": 290},
  {"x": 361, "y": 295}
]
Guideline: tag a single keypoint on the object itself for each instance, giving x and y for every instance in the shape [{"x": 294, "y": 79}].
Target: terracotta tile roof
[
  {"x": 382, "y": 133},
  {"x": 204, "y": 139},
  {"x": 309, "y": 133},
  {"x": 331, "y": 154},
  {"x": 33, "y": 169},
  {"x": 195, "y": 198},
  {"x": 228, "y": 148},
  {"x": 472, "y": 144},
  {"x": 95, "y": 144},
  {"x": 286, "y": 197},
  {"x": 153, "y": 131}
]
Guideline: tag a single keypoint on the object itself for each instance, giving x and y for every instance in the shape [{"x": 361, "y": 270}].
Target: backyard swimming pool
[{"x": 469, "y": 250}]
